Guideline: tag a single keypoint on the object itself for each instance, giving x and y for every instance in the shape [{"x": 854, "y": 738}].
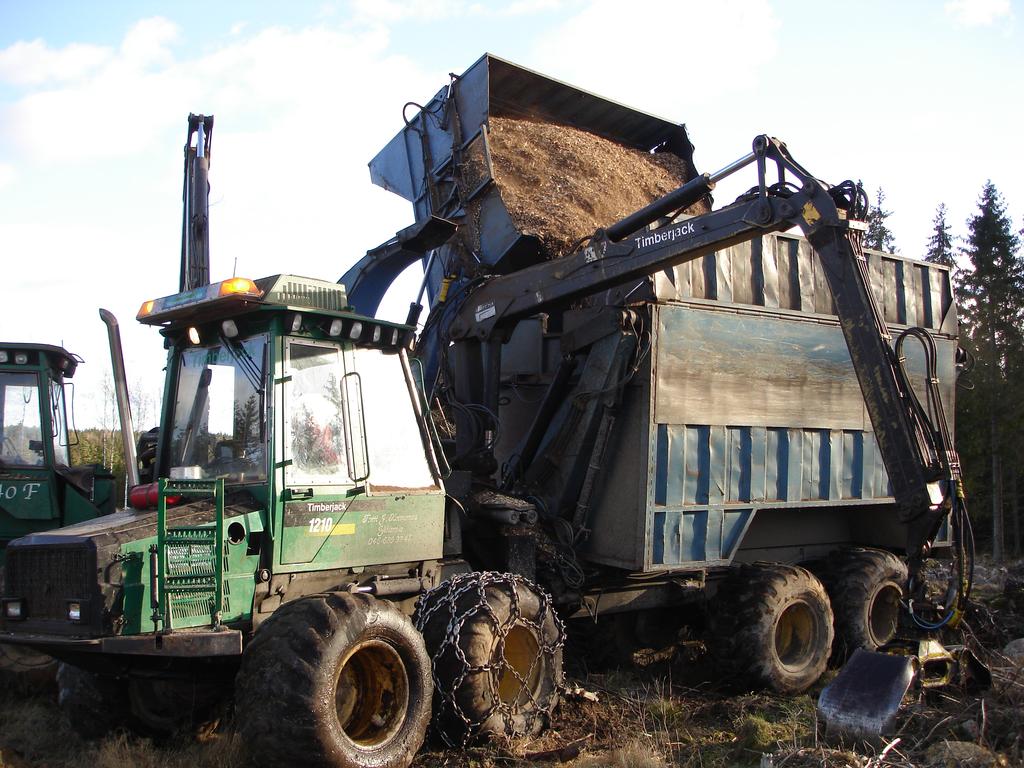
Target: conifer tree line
[{"x": 987, "y": 269}]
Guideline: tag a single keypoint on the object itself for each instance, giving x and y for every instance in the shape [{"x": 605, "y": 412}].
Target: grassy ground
[{"x": 659, "y": 717}]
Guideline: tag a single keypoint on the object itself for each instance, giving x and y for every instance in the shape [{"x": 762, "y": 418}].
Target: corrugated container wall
[{"x": 744, "y": 435}]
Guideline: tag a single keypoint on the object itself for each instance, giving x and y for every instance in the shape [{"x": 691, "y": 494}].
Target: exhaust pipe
[{"x": 124, "y": 411}]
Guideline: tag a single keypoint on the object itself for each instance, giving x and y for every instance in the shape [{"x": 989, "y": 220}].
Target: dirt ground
[{"x": 661, "y": 716}]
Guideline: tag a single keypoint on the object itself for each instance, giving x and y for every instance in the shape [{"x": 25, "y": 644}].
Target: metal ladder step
[{"x": 190, "y": 560}]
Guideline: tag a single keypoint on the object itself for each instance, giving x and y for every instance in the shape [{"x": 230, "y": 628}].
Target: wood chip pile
[{"x": 560, "y": 184}]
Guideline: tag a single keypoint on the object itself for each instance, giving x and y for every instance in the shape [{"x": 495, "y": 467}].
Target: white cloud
[
  {"x": 662, "y": 49},
  {"x": 327, "y": 11},
  {"x": 109, "y": 110},
  {"x": 394, "y": 11},
  {"x": 146, "y": 43},
  {"x": 978, "y": 13},
  {"x": 527, "y": 7},
  {"x": 32, "y": 62},
  {"x": 7, "y": 175}
]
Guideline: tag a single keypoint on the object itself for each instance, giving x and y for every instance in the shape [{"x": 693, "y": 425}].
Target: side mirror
[{"x": 35, "y": 445}]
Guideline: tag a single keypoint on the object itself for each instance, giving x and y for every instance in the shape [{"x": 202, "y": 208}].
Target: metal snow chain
[{"x": 446, "y": 597}]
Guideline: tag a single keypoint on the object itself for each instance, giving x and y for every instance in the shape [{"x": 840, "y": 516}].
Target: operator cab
[
  {"x": 33, "y": 420},
  {"x": 39, "y": 489},
  {"x": 243, "y": 351}
]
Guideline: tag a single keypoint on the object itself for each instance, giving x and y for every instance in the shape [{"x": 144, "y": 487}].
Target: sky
[{"x": 920, "y": 98}]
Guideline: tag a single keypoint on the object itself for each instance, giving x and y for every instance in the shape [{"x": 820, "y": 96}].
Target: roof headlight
[
  {"x": 3, "y": 357},
  {"x": 376, "y": 334},
  {"x": 193, "y": 335},
  {"x": 239, "y": 285},
  {"x": 295, "y": 322},
  {"x": 230, "y": 328},
  {"x": 14, "y": 609},
  {"x": 355, "y": 331},
  {"x": 74, "y": 611},
  {"x": 21, "y": 358},
  {"x": 335, "y": 327}
]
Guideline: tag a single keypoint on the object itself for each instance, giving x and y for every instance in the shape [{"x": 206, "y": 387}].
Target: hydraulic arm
[{"x": 195, "y": 232}]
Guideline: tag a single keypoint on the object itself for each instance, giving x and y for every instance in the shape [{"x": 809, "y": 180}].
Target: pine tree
[
  {"x": 940, "y": 244},
  {"x": 992, "y": 293},
  {"x": 878, "y": 235}
]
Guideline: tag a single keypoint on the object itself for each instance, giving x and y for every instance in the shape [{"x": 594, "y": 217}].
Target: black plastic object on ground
[{"x": 865, "y": 696}]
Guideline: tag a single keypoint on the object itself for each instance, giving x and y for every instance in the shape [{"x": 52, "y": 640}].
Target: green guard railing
[{"x": 188, "y": 588}]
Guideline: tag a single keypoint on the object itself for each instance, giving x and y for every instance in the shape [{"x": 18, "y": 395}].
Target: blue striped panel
[
  {"x": 697, "y": 465},
  {"x": 777, "y": 466},
  {"x": 697, "y": 537},
  {"x": 702, "y": 465},
  {"x": 852, "y": 482},
  {"x": 738, "y": 464}
]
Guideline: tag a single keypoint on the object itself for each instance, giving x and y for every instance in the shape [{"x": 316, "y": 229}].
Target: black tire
[
  {"x": 496, "y": 643},
  {"x": 26, "y": 670},
  {"x": 162, "y": 707},
  {"x": 23, "y": 669},
  {"x": 334, "y": 681},
  {"x": 94, "y": 705},
  {"x": 771, "y": 627},
  {"x": 865, "y": 587}
]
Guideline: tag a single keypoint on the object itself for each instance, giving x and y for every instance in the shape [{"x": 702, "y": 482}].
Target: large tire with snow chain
[
  {"x": 94, "y": 705},
  {"x": 496, "y": 643},
  {"x": 865, "y": 587},
  {"x": 334, "y": 681},
  {"x": 771, "y": 627}
]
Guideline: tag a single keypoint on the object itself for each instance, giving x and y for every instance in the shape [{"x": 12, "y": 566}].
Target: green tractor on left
[{"x": 39, "y": 487}]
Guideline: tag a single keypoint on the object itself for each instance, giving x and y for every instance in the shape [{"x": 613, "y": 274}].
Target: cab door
[
  {"x": 324, "y": 450},
  {"x": 28, "y": 500}
]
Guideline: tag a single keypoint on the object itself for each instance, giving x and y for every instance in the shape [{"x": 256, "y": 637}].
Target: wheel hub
[
  {"x": 883, "y": 613},
  {"x": 521, "y": 673},
  {"x": 372, "y": 693},
  {"x": 795, "y": 635}
]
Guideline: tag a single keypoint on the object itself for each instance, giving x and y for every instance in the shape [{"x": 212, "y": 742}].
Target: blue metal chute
[{"x": 441, "y": 163}]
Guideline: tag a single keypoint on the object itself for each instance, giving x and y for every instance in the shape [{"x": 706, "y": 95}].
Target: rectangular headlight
[
  {"x": 14, "y": 609},
  {"x": 74, "y": 611}
]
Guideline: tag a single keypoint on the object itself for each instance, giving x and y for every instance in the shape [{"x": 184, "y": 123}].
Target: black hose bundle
[{"x": 930, "y": 419}]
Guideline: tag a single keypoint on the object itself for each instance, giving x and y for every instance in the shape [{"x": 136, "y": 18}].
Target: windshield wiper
[
  {"x": 253, "y": 373},
  {"x": 249, "y": 366}
]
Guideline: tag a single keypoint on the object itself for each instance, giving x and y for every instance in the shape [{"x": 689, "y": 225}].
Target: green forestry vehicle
[
  {"x": 357, "y": 529},
  {"x": 39, "y": 489}
]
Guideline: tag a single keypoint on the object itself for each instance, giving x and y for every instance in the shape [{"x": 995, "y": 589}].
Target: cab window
[
  {"x": 218, "y": 424},
  {"x": 20, "y": 425},
  {"x": 314, "y": 422}
]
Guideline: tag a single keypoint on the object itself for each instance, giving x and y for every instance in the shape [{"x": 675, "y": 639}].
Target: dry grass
[
  {"x": 660, "y": 717},
  {"x": 33, "y": 733},
  {"x": 641, "y": 721}
]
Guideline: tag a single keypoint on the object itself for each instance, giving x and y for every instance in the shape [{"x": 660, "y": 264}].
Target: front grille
[{"x": 46, "y": 577}]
